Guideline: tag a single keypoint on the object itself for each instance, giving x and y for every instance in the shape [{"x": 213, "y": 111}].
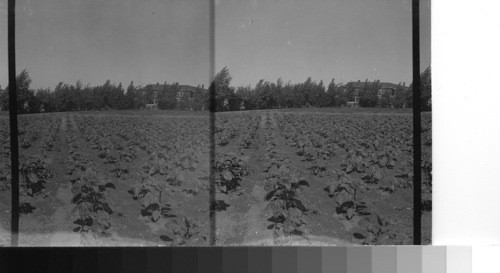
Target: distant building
[
  {"x": 152, "y": 106},
  {"x": 384, "y": 87},
  {"x": 391, "y": 88},
  {"x": 184, "y": 94},
  {"x": 354, "y": 103},
  {"x": 357, "y": 87},
  {"x": 154, "y": 90}
]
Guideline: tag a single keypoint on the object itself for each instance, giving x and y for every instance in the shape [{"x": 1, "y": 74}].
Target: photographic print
[
  {"x": 314, "y": 124},
  {"x": 113, "y": 125},
  {"x": 296, "y": 129}
]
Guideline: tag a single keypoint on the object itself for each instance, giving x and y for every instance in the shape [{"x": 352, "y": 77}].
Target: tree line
[
  {"x": 264, "y": 95},
  {"x": 78, "y": 97},
  {"x": 270, "y": 95}
]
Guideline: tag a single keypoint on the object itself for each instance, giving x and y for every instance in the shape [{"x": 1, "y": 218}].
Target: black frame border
[
  {"x": 417, "y": 129},
  {"x": 14, "y": 147}
]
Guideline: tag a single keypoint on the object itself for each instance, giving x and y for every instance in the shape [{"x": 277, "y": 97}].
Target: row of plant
[
  {"x": 155, "y": 152},
  {"x": 29, "y": 131},
  {"x": 229, "y": 169},
  {"x": 38, "y": 128},
  {"x": 427, "y": 162},
  {"x": 92, "y": 211},
  {"x": 153, "y": 194},
  {"x": 227, "y": 127},
  {"x": 364, "y": 144},
  {"x": 283, "y": 189},
  {"x": 163, "y": 150},
  {"x": 370, "y": 228},
  {"x": 5, "y": 176},
  {"x": 248, "y": 135},
  {"x": 427, "y": 151},
  {"x": 121, "y": 138},
  {"x": 49, "y": 140},
  {"x": 358, "y": 154},
  {"x": 34, "y": 170},
  {"x": 289, "y": 130}
]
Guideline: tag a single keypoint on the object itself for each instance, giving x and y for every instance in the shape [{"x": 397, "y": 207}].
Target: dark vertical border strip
[
  {"x": 14, "y": 152},
  {"x": 211, "y": 91},
  {"x": 417, "y": 148}
]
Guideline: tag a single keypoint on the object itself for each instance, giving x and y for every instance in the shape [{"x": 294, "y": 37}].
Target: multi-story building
[
  {"x": 383, "y": 88},
  {"x": 183, "y": 95}
]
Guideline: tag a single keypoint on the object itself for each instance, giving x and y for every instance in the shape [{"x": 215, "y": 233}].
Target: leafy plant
[
  {"x": 229, "y": 170},
  {"x": 185, "y": 232}
]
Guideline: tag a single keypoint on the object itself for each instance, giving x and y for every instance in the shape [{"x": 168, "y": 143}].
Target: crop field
[
  {"x": 97, "y": 179},
  {"x": 317, "y": 178},
  {"x": 282, "y": 177}
]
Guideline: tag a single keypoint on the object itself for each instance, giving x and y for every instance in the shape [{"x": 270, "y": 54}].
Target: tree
[
  {"x": 167, "y": 100},
  {"x": 306, "y": 89},
  {"x": 319, "y": 95},
  {"x": 25, "y": 96},
  {"x": 426, "y": 90},
  {"x": 246, "y": 94},
  {"x": 364, "y": 95},
  {"x": 200, "y": 99},
  {"x": 224, "y": 92},
  {"x": 350, "y": 92},
  {"x": 87, "y": 97},
  {"x": 130, "y": 96},
  {"x": 4, "y": 100},
  {"x": 264, "y": 92},
  {"x": 45, "y": 100},
  {"x": 375, "y": 88},
  {"x": 330, "y": 93},
  {"x": 369, "y": 94},
  {"x": 335, "y": 97},
  {"x": 278, "y": 93},
  {"x": 386, "y": 100},
  {"x": 133, "y": 97},
  {"x": 400, "y": 97},
  {"x": 77, "y": 96}
]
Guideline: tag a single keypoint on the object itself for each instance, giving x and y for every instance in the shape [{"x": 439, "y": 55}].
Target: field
[
  {"x": 282, "y": 177},
  {"x": 107, "y": 179},
  {"x": 321, "y": 177}
]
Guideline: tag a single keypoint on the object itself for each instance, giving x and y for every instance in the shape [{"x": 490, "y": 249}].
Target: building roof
[
  {"x": 391, "y": 85},
  {"x": 161, "y": 87},
  {"x": 358, "y": 84},
  {"x": 155, "y": 87},
  {"x": 188, "y": 87},
  {"x": 383, "y": 85}
]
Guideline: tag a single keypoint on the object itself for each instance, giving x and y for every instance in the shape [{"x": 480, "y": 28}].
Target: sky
[
  {"x": 145, "y": 41},
  {"x": 150, "y": 41},
  {"x": 294, "y": 39}
]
